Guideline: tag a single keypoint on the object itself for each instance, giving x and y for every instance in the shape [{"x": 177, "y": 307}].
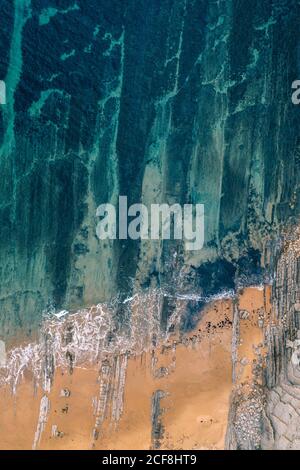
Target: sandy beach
[{"x": 193, "y": 375}]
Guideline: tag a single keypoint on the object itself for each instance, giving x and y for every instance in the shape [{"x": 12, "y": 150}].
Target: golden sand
[{"x": 195, "y": 376}]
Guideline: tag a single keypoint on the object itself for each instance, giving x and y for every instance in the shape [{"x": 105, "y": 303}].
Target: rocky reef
[{"x": 267, "y": 414}]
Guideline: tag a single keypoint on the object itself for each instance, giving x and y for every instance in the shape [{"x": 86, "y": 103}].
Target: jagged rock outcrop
[
  {"x": 283, "y": 366},
  {"x": 273, "y": 422},
  {"x": 162, "y": 101}
]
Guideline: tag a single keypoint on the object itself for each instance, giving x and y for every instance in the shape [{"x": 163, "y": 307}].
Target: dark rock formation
[
  {"x": 283, "y": 366},
  {"x": 270, "y": 418},
  {"x": 162, "y": 101},
  {"x": 156, "y": 418}
]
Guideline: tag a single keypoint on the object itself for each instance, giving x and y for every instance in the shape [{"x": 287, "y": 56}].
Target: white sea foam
[{"x": 83, "y": 339}]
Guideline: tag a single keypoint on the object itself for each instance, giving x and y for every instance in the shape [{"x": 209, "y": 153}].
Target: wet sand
[{"x": 193, "y": 372}]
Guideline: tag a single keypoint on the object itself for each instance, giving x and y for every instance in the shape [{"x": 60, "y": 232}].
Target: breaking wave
[{"x": 84, "y": 338}]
